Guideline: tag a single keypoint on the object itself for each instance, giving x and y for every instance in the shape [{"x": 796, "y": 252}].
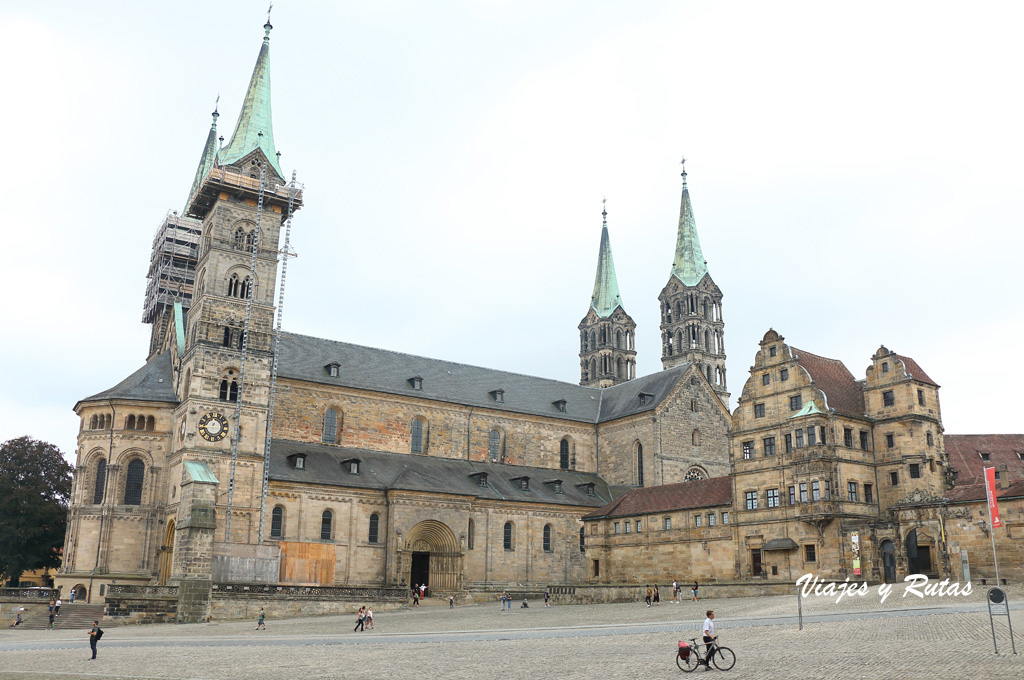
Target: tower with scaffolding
[{"x": 172, "y": 273}]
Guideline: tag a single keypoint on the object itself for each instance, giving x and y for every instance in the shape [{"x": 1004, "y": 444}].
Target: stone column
[{"x": 191, "y": 569}]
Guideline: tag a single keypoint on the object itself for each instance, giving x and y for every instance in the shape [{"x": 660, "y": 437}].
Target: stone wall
[{"x": 232, "y": 602}]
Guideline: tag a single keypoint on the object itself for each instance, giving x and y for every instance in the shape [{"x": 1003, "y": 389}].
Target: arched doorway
[
  {"x": 919, "y": 552},
  {"x": 432, "y": 555},
  {"x": 889, "y": 561},
  {"x": 80, "y": 592},
  {"x": 167, "y": 553}
]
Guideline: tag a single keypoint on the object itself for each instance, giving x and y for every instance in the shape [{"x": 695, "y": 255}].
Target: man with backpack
[{"x": 94, "y": 636}]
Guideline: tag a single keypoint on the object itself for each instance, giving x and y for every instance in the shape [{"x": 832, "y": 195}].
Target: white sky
[{"x": 854, "y": 168}]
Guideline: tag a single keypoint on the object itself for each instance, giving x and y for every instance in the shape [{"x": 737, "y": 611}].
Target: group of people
[
  {"x": 364, "y": 618},
  {"x": 654, "y": 596},
  {"x": 419, "y": 591}
]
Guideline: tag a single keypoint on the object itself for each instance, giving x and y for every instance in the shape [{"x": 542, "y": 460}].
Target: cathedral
[{"x": 240, "y": 453}]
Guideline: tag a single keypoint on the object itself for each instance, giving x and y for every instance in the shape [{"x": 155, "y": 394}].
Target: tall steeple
[
  {"x": 607, "y": 333},
  {"x": 606, "y": 287},
  {"x": 692, "y": 328},
  {"x": 255, "y": 128},
  {"x": 689, "y": 265},
  {"x": 207, "y": 160}
]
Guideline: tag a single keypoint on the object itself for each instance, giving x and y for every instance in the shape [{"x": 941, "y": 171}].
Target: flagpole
[{"x": 991, "y": 492}]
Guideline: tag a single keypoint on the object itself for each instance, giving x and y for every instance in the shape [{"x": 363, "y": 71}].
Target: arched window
[
  {"x": 133, "y": 482},
  {"x": 130, "y": 423},
  {"x": 639, "y": 464},
  {"x": 227, "y": 337},
  {"x": 618, "y": 339},
  {"x": 417, "y": 436},
  {"x": 593, "y": 368},
  {"x": 707, "y": 340},
  {"x": 593, "y": 339},
  {"x": 694, "y": 474},
  {"x": 233, "y": 286},
  {"x": 326, "y": 520},
  {"x": 508, "y": 536},
  {"x": 563, "y": 454},
  {"x": 101, "y": 482},
  {"x": 240, "y": 239},
  {"x": 277, "y": 522},
  {"x": 618, "y": 368},
  {"x": 695, "y": 437},
  {"x": 470, "y": 530},
  {"x": 242, "y": 336},
  {"x": 374, "y": 528},
  {"x": 246, "y": 288},
  {"x": 150, "y": 423},
  {"x": 330, "y": 434},
  {"x": 188, "y": 383},
  {"x": 583, "y": 542},
  {"x": 494, "y": 446},
  {"x": 228, "y": 390},
  {"x": 547, "y": 538},
  {"x": 93, "y": 422},
  {"x": 709, "y": 373}
]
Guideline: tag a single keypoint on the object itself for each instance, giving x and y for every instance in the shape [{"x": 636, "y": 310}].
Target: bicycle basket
[{"x": 684, "y": 650}]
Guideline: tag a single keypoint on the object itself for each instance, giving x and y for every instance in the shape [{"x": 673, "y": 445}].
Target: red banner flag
[{"x": 990, "y": 490}]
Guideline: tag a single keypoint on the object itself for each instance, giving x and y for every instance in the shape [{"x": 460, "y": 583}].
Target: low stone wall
[
  {"x": 234, "y": 601},
  {"x": 140, "y": 604},
  {"x": 28, "y": 594},
  {"x": 602, "y": 594}
]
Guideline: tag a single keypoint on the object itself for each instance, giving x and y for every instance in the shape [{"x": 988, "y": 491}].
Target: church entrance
[
  {"x": 167, "y": 553},
  {"x": 431, "y": 554},
  {"x": 420, "y": 570}
]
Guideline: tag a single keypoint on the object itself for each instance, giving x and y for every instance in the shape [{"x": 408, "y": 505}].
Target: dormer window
[
  {"x": 587, "y": 488},
  {"x": 352, "y": 465},
  {"x": 298, "y": 461},
  {"x": 333, "y": 369},
  {"x": 556, "y": 485},
  {"x": 985, "y": 457},
  {"x": 498, "y": 396},
  {"x": 645, "y": 398},
  {"x": 522, "y": 482},
  {"x": 416, "y": 382},
  {"x": 560, "y": 405},
  {"x": 481, "y": 478}
]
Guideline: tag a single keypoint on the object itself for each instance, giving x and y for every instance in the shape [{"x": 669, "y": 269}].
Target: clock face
[{"x": 213, "y": 427}]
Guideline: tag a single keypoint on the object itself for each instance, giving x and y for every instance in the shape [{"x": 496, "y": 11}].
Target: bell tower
[
  {"x": 607, "y": 332},
  {"x": 692, "y": 327}
]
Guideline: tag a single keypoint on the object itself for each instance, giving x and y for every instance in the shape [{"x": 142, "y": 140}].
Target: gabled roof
[
  {"x": 689, "y": 265},
  {"x": 915, "y": 371},
  {"x": 976, "y": 492},
  {"x": 152, "y": 382},
  {"x": 303, "y": 358},
  {"x": 255, "y": 126},
  {"x": 605, "y": 297},
  {"x": 842, "y": 391},
  {"x": 964, "y": 452},
  {"x": 702, "y": 493},
  {"x": 410, "y": 472}
]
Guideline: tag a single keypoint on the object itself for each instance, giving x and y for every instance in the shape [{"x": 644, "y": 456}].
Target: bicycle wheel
[
  {"x": 724, "y": 659},
  {"x": 689, "y": 663}
]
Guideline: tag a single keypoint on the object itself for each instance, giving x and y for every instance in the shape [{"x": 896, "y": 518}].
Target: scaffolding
[{"x": 172, "y": 266}]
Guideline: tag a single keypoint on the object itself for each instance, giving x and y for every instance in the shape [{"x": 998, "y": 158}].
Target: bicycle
[{"x": 688, "y": 657}]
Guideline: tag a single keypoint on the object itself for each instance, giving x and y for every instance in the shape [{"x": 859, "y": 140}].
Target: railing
[
  {"x": 28, "y": 593},
  {"x": 264, "y": 591},
  {"x": 128, "y": 589}
]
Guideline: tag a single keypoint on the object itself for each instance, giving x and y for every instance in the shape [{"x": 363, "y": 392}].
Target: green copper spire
[
  {"x": 255, "y": 128},
  {"x": 689, "y": 266},
  {"x": 206, "y": 161},
  {"x": 606, "y": 287}
]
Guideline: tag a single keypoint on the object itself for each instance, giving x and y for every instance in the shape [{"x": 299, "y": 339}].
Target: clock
[{"x": 213, "y": 427}]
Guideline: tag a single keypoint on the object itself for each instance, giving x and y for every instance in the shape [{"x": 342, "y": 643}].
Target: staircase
[{"x": 72, "y": 616}]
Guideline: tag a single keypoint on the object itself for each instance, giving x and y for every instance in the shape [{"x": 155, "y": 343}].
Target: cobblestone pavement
[{"x": 860, "y": 637}]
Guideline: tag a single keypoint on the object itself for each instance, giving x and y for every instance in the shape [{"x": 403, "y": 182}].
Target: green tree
[{"x": 35, "y": 486}]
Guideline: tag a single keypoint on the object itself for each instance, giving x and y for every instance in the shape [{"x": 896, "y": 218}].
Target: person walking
[
  {"x": 369, "y": 617},
  {"x": 360, "y": 620},
  {"x": 56, "y": 608},
  {"x": 260, "y": 622},
  {"x": 416, "y": 596},
  {"x": 94, "y": 636},
  {"x": 648, "y": 598},
  {"x": 675, "y": 591},
  {"x": 695, "y": 597},
  {"x": 657, "y": 595},
  {"x": 709, "y": 637},
  {"x": 451, "y": 602},
  {"x": 547, "y": 597},
  {"x": 51, "y": 620},
  {"x": 72, "y": 599},
  {"x": 423, "y": 590},
  {"x": 52, "y": 603}
]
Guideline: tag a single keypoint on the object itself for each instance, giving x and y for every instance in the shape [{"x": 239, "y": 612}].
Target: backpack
[{"x": 99, "y": 634}]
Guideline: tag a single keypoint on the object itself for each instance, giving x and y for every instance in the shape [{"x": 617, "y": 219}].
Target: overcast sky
[{"x": 855, "y": 171}]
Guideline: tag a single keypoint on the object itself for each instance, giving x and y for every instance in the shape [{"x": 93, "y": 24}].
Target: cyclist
[{"x": 709, "y": 637}]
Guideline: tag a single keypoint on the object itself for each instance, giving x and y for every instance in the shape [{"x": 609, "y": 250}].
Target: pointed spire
[
  {"x": 207, "y": 160},
  {"x": 689, "y": 265},
  {"x": 606, "y": 287},
  {"x": 255, "y": 128}
]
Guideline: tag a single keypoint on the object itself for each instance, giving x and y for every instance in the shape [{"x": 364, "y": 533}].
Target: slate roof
[
  {"x": 976, "y": 492},
  {"x": 305, "y": 358},
  {"x": 701, "y": 493},
  {"x": 410, "y": 472},
  {"x": 964, "y": 451},
  {"x": 842, "y": 391},
  {"x": 915, "y": 371},
  {"x": 152, "y": 382}
]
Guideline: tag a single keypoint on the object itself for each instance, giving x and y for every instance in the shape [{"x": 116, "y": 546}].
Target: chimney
[{"x": 1004, "y": 477}]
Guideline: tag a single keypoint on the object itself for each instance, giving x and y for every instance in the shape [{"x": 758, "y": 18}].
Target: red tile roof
[
  {"x": 701, "y": 493},
  {"x": 843, "y": 392},
  {"x": 976, "y": 492},
  {"x": 915, "y": 371},
  {"x": 964, "y": 451}
]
